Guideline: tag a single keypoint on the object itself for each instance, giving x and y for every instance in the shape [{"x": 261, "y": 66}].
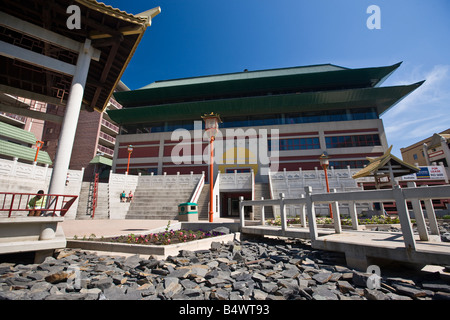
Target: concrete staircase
[
  {"x": 203, "y": 203},
  {"x": 84, "y": 211},
  {"x": 158, "y": 202},
  {"x": 262, "y": 190}
]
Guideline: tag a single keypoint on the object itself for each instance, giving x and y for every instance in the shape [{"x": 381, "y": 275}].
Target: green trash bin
[{"x": 188, "y": 211}]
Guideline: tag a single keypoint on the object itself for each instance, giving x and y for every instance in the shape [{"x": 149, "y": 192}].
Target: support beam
[
  {"x": 43, "y": 34},
  {"x": 31, "y": 95},
  {"x": 31, "y": 113},
  {"x": 15, "y": 52}
]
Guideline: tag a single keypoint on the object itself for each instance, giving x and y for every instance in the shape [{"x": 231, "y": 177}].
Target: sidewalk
[{"x": 107, "y": 228}]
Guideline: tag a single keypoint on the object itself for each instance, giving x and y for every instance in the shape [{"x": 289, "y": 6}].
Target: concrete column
[
  {"x": 70, "y": 120},
  {"x": 425, "y": 153}
]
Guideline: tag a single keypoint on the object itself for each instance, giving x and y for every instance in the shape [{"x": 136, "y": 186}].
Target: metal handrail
[{"x": 18, "y": 202}]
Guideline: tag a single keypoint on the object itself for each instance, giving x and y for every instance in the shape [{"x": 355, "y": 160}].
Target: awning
[{"x": 101, "y": 160}]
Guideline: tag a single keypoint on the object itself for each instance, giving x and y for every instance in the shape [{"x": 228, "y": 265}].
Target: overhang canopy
[
  {"x": 381, "y": 98},
  {"x": 39, "y": 52}
]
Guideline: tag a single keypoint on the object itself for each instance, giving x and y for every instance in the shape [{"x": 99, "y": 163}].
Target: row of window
[
  {"x": 366, "y": 140},
  {"x": 297, "y": 144},
  {"x": 261, "y": 120}
]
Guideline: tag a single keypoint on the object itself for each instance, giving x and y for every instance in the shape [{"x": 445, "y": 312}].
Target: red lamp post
[
  {"x": 39, "y": 145},
  {"x": 211, "y": 128},
  {"x": 324, "y": 164},
  {"x": 130, "y": 150}
]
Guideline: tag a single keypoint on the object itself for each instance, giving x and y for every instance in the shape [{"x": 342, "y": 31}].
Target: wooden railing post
[
  {"x": 283, "y": 213},
  {"x": 336, "y": 215},
  {"x": 418, "y": 214},
  {"x": 303, "y": 212},
  {"x": 310, "y": 211},
  {"x": 353, "y": 215},
  {"x": 263, "y": 215},
  {"x": 241, "y": 211},
  {"x": 405, "y": 221}
]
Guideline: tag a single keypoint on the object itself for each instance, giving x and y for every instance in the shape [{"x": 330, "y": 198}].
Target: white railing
[
  {"x": 198, "y": 189},
  {"x": 236, "y": 181},
  {"x": 399, "y": 195},
  {"x": 170, "y": 179}
]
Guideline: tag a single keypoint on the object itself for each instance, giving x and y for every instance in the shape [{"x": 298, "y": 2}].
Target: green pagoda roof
[
  {"x": 254, "y": 83},
  {"x": 381, "y": 98}
]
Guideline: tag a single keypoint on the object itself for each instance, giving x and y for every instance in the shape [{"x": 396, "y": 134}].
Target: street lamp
[
  {"x": 130, "y": 150},
  {"x": 324, "y": 163},
  {"x": 211, "y": 128},
  {"x": 39, "y": 145}
]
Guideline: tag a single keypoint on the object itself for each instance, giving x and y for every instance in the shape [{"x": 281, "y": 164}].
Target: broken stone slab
[{"x": 322, "y": 277}]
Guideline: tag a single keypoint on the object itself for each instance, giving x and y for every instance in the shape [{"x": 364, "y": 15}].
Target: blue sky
[{"x": 202, "y": 37}]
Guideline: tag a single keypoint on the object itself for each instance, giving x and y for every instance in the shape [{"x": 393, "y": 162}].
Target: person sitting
[
  {"x": 130, "y": 196},
  {"x": 123, "y": 196},
  {"x": 37, "y": 202}
]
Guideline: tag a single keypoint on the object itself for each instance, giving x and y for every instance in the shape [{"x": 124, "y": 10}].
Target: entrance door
[{"x": 230, "y": 203}]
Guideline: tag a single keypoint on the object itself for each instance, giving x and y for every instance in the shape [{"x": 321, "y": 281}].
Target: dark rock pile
[{"x": 248, "y": 270}]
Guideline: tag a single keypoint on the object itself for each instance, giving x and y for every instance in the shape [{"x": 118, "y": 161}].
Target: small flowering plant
[{"x": 166, "y": 237}]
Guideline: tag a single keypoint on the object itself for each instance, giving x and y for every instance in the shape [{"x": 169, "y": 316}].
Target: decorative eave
[
  {"x": 385, "y": 165},
  {"x": 37, "y": 74}
]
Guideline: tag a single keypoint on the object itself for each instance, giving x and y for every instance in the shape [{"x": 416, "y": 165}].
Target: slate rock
[
  {"x": 58, "y": 277},
  {"x": 409, "y": 290},
  {"x": 345, "y": 286},
  {"x": 102, "y": 284},
  {"x": 322, "y": 277},
  {"x": 259, "y": 294},
  {"x": 374, "y": 294},
  {"x": 324, "y": 294},
  {"x": 436, "y": 286}
]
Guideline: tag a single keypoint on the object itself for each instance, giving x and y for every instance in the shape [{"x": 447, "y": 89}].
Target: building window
[
  {"x": 238, "y": 170},
  {"x": 415, "y": 156},
  {"x": 367, "y": 140},
  {"x": 351, "y": 163},
  {"x": 297, "y": 144}
]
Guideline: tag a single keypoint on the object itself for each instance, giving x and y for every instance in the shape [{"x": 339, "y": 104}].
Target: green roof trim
[
  {"x": 101, "y": 160},
  {"x": 254, "y": 83},
  {"x": 382, "y": 98},
  {"x": 11, "y": 149},
  {"x": 10, "y": 131}
]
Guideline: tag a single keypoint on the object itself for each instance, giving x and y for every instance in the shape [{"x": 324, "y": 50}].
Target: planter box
[{"x": 158, "y": 250}]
